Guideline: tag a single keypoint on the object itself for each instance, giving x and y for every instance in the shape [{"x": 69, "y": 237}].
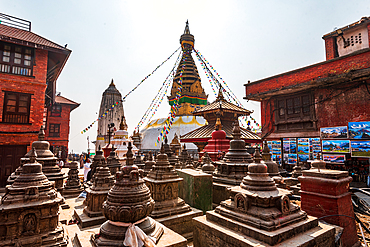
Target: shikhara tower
[
  {"x": 192, "y": 97},
  {"x": 110, "y": 96}
]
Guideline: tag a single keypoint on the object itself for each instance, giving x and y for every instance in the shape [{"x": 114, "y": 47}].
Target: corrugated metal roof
[
  {"x": 205, "y": 132},
  {"x": 222, "y": 104},
  {"x": 9, "y": 33}
]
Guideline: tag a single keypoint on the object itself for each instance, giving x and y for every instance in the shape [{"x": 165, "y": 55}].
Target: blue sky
[{"x": 126, "y": 40}]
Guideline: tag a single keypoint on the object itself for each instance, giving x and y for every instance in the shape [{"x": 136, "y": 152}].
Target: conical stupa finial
[
  {"x": 218, "y": 125},
  {"x": 162, "y": 149},
  {"x": 257, "y": 155},
  {"x": 266, "y": 148},
  {"x": 33, "y": 155},
  {"x": 41, "y": 133},
  {"x": 112, "y": 83},
  {"x": 187, "y": 30}
]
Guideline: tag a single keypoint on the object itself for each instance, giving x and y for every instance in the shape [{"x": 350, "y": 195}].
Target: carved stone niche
[{"x": 241, "y": 202}]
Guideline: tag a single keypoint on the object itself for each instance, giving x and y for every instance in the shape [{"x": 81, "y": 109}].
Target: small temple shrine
[
  {"x": 169, "y": 209},
  {"x": 127, "y": 209},
  {"x": 49, "y": 162},
  {"x": 260, "y": 214},
  {"x": 121, "y": 139},
  {"x": 218, "y": 144},
  {"x": 29, "y": 210},
  {"x": 227, "y": 113}
]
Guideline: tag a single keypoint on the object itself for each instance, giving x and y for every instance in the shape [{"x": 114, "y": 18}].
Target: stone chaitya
[
  {"x": 129, "y": 204},
  {"x": 170, "y": 154},
  {"x": 73, "y": 186},
  {"x": 148, "y": 164},
  {"x": 98, "y": 160},
  {"x": 29, "y": 209},
  {"x": 260, "y": 214},
  {"x": 169, "y": 209},
  {"x": 45, "y": 157},
  {"x": 113, "y": 162},
  {"x": 175, "y": 145},
  {"x": 231, "y": 170},
  {"x": 183, "y": 157},
  {"x": 207, "y": 165},
  {"x": 272, "y": 167},
  {"x": 92, "y": 214},
  {"x": 139, "y": 162}
]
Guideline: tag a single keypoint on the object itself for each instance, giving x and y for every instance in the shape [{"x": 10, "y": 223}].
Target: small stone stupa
[
  {"x": 170, "y": 154},
  {"x": 49, "y": 162},
  {"x": 29, "y": 209},
  {"x": 139, "y": 162},
  {"x": 170, "y": 210},
  {"x": 232, "y": 168},
  {"x": 183, "y": 157},
  {"x": 207, "y": 166},
  {"x": 98, "y": 161},
  {"x": 175, "y": 145},
  {"x": 272, "y": 167},
  {"x": 127, "y": 208},
  {"x": 92, "y": 214},
  {"x": 113, "y": 162},
  {"x": 121, "y": 140},
  {"x": 73, "y": 185},
  {"x": 260, "y": 213},
  {"x": 148, "y": 164}
]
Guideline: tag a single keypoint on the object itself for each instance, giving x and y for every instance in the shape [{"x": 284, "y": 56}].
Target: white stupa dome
[{"x": 181, "y": 125}]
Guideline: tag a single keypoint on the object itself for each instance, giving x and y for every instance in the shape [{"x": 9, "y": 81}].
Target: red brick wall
[
  {"x": 310, "y": 73},
  {"x": 330, "y": 47},
  {"x": 36, "y": 86},
  {"x": 63, "y": 120},
  {"x": 349, "y": 106}
]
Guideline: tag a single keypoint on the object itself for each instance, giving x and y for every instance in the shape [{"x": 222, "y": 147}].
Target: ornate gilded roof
[{"x": 205, "y": 132}]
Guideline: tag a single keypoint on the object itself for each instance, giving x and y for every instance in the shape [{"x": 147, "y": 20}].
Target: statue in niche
[
  {"x": 169, "y": 192},
  {"x": 29, "y": 224}
]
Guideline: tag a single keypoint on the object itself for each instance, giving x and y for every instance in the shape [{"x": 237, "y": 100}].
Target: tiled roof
[
  {"x": 63, "y": 100},
  {"x": 205, "y": 132},
  {"x": 222, "y": 104},
  {"x": 14, "y": 34}
]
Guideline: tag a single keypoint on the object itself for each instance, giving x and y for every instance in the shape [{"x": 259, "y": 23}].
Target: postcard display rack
[{"x": 346, "y": 144}]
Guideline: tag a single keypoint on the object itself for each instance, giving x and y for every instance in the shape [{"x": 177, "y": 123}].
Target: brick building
[
  {"x": 57, "y": 125},
  {"x": 29, "y": 68},
  {"x": 334, "y": 92}
]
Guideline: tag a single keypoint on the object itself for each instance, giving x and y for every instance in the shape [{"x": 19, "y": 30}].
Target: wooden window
[
  {"x": 16, "y": 107},
  {"x": 56, "y": 110},
  {"x": 54, "y": 130},
  {"x": 16, "y": 59},
  {"x": 294, "y": 112}
]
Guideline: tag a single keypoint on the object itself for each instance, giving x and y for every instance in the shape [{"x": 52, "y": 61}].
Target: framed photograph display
[
  {"x": 340, "y": 132},
  {"x": 360, "y": 149},
  {"x": 335, "y": 146},
  {"x": 359, "y": 130},
  {"x": 334, "y": 158}
]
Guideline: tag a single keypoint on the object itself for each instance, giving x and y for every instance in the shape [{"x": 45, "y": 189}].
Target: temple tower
[
  {"x": 110, "y": 96},
  {"x": 192, "y": 97}
]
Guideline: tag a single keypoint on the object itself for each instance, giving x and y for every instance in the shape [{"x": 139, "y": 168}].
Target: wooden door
[{"x": 10, "y": 156}]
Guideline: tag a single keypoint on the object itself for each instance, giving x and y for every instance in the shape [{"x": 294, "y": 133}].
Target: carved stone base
[
  {"x": 220, "y": 193},
  {"x": 71, "y": 192},
  {"x": 53, "y": 238},
  {"x": 181, "y": 223},
  {"x": 226, "y": 232},
  {"x": 86, "y": 221},
  {"x": 111, "y": 235}
]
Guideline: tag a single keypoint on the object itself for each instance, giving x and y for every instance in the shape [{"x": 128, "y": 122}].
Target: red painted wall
[
  {"x": 332, "y": 67},
  {"x": 36, "y": 86}
]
